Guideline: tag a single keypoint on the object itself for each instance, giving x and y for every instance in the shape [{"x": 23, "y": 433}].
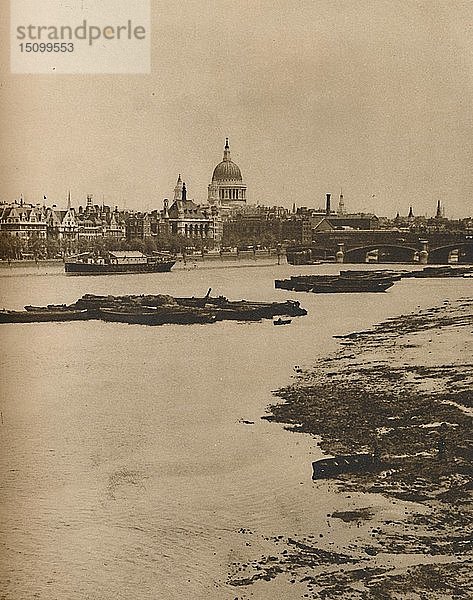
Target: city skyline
[
  {"x": 371, "y": 97},
  {"x": 82, "y": 203}
]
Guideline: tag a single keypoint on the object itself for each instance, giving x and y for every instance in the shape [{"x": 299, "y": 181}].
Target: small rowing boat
[{"x": 281, "y": 321}]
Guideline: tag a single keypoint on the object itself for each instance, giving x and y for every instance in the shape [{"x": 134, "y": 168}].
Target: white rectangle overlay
[{"x": 80, "y": 36}]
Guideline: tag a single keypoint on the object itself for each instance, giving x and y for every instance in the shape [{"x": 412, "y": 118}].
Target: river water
[{"x": 126, "y": 471}]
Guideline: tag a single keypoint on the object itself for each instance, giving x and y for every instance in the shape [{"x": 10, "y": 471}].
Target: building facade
[
  {"x": 62, "y": 224},
  {"x": 100, "y": 221},
  {"x": 24, "y": 221},
  {"x": 188, "y": 219}
]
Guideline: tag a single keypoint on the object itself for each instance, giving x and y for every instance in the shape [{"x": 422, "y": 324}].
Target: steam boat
[{"x": 119, "y": 262}]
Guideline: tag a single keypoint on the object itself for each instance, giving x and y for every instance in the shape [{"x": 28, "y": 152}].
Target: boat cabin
[
  {"x": 115, "y": 257},
  {"x": 127, "y": 257}
]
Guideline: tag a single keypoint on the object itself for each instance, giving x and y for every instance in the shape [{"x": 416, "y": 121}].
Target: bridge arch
[
  {"x": 386, "y": 253},
  {"x": 443, "y": 254}
]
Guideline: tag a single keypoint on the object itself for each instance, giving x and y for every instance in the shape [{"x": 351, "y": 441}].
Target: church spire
[
  {"x": 69, "y": 200},
  {"x": 178, "y": 189},
  {"x": 439, "y": 211},
  {"x": 226, "y": 152}
]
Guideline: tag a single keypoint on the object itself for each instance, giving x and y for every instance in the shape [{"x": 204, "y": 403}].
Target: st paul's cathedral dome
[{"x": 227, "y": 187}]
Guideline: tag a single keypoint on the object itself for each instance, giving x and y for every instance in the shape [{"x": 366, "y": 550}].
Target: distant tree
[
  {"x": 53, "y": 247},
  {"x": 137, "y": 244},
  {"x": 83, "y": 245},
  {"x": 231, "y": 238},
  {"x": 149, "y": 245},
  {"x": 10, "y": 246},
  {"x": 268, "y": 239},
  {"x": 68, "y": 246},
  {"x": 165, "y": 241},
  {"x": 36, "y": 246},
  {"x": 111, "y": 243},
  {"x": 177, "y": 243},
  {"x": 5, "y": 248}
]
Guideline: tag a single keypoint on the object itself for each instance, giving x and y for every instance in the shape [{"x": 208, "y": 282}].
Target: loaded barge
[
  {"x": 156, "y": 309},
  {"x": 346, "y": 281},
  {"x": 440, "y": 271}
]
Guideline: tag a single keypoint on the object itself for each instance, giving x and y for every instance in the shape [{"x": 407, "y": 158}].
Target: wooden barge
[
  {"x": 346, "y": 281},
  {"x": 157, "y": 309},
  {"x": 156, "y": 316},
  {"x": 440, "y": 271},
  {"x": 43, "y": 315}
]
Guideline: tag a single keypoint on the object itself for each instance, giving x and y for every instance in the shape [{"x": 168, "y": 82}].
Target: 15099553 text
[{"x": 46, "y": 47}]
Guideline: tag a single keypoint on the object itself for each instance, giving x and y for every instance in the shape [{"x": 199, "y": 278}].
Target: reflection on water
[{"x": 126, "y": 469}]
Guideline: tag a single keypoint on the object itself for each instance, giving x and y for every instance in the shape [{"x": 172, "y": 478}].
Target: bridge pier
[
  {"x": 340, "y": 255},
  {"x": 424, "y": 253}
]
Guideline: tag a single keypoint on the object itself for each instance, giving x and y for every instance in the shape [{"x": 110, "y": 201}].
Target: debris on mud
[{"x": 403, "y": 390}]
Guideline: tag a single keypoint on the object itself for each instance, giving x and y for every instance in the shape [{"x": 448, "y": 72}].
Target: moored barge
[
  {"x": 440, "y": 271},
  {"x": 157, "y": 309},
  {"x": 175, "y": 315},
  {"x": 343, "y": 283},
  {"x": 42, "y": 315}
]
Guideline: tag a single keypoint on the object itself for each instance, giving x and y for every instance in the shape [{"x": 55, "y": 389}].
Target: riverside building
[
  {"x": 189, "y": 219},
  {"x": 22, "y": 220}
]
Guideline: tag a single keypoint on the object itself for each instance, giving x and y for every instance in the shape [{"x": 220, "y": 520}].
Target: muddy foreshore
[{"x": 404, "y": 389}]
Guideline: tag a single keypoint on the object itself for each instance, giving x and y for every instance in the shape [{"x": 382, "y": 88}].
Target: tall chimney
[{"x": 327, "y": 205}]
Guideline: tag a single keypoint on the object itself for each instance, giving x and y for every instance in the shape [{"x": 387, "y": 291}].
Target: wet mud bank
[{"x": 403, "y": 391}]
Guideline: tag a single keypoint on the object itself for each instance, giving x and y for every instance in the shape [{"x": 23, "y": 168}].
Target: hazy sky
[{"x": 374, "y": 97}]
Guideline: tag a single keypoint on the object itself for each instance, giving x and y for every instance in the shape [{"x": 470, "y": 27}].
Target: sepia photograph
[{"x": 236, "y": 300}]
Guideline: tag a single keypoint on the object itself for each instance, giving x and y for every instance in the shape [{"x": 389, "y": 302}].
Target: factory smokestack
[{"x": 327, "y": 205}]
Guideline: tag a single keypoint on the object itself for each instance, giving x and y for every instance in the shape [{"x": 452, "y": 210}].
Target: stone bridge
[{"x": 388, "y": 246}]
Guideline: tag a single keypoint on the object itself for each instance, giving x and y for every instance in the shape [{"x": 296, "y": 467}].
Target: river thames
[{"x": 127, "y": 470}]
